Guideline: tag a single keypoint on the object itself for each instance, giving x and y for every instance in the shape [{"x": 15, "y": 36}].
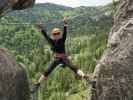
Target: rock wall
[
  {"x": 13, "y": 78},
  {"x": 113, "y": 76},
  {"x": 10, "y": 5}
]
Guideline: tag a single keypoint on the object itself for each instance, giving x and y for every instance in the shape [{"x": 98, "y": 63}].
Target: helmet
[{"x": 56, "y": 30}]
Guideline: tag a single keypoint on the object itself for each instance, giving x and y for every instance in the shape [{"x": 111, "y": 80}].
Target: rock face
[
  {"x": 9, "y": 5},
  {"x": 22, "y": 4},
  {"x": 114, "y": 72},
  {"x": 13, "y": 79}
]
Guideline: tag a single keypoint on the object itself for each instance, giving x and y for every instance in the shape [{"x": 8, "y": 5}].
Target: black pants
[{"x": 65, "y": 61}]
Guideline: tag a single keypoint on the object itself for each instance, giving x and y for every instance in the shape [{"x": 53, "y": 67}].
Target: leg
[
  {"x": 73, "y": 67},
  {"x": 51, "y": 67},
  {"x": 44, "y": 76}
]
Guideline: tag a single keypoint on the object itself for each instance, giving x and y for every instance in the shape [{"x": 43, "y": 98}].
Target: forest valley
[{"x": 87, "y": 38}]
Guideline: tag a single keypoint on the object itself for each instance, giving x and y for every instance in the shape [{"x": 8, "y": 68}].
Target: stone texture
[
  {"x": 13, "y": 79},
  {"x": 22, "y": 4},
  {"x": 114, "y": 73},
  {"x": 10, "y": 5}
]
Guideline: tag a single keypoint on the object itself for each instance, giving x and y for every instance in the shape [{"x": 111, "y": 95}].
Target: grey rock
[
  {"x": 114, "y": 73},
  {"x": 13, "y": 79},
  {"x": 10, "y": 5}
]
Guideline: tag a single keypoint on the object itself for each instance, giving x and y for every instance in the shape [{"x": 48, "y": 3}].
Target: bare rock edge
[
  {"x": 113, "y": 76},
  {"x": 13, "y": 78}
]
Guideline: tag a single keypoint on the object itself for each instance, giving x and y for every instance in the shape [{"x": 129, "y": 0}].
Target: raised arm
[
  {"x": 44, "y": 33},
  {"x": 65, "y": 29}
]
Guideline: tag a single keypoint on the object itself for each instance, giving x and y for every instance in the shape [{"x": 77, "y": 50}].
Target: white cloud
[{"x": 75, "y": 3}]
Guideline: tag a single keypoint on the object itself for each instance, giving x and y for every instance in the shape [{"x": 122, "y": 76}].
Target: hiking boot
[
  {"x": 35, "y": 87},
  {"x": 78, "y": 77},
  {"x": 87, "y": 77}
]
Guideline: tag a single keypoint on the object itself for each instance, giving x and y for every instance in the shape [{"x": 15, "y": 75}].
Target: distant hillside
[
  {"x": 49, "y": 11},
  {"x": 81, "y": 19},
  {"x": 41, "y": 12}
]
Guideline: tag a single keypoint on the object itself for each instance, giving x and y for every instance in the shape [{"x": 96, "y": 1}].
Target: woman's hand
[
  {"x": 39, "y": 25},
  {"x": 65, "y": 20}
]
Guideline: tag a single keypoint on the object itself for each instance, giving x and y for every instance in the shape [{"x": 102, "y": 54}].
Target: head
[{"x": 56, "y": 33}]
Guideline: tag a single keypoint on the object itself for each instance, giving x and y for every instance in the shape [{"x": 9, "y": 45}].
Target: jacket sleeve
[
  {"x": 64, "y": 33},
  {"x": 44, "y": 33}
]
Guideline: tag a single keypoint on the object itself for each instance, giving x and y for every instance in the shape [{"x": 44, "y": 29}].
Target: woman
[{"x": 57, "y": 43}]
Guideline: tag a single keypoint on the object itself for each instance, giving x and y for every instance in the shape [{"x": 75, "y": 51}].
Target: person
[{"x": 57, "y": 43}]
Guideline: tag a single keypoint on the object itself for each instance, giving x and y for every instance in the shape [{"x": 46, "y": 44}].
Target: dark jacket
[{"x": 57, "y": 46}]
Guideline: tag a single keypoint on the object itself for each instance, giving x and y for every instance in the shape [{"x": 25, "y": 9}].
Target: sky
[{"x": 76, "y": 3}]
